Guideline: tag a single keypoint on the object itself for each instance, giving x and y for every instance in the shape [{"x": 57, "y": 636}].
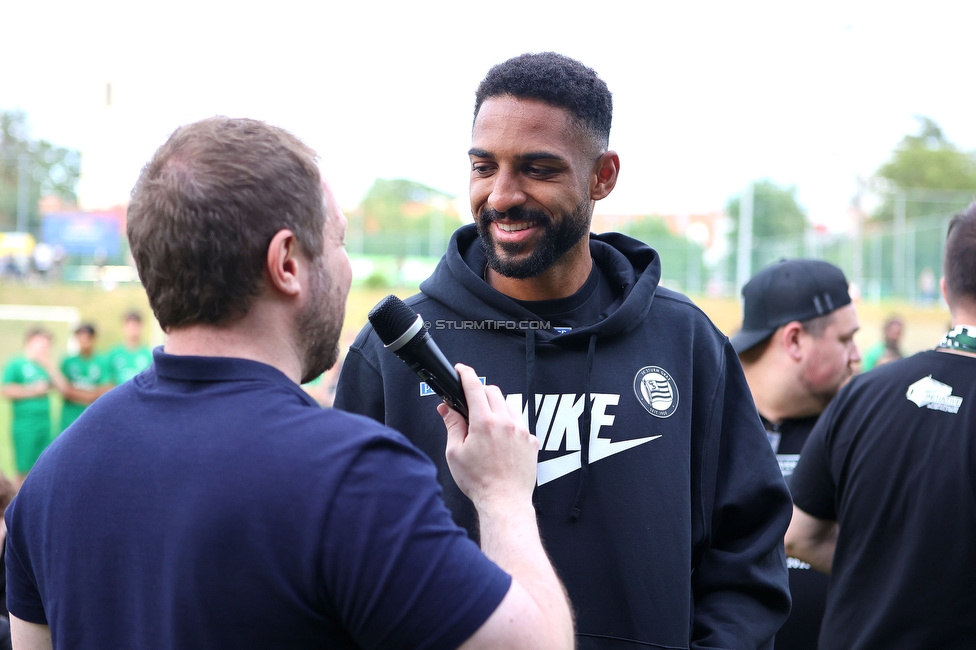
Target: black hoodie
[{"x": 662, "y": 505}]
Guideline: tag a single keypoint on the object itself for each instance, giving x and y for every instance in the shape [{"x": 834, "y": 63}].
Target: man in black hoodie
[{"x": 657, "y": 493}]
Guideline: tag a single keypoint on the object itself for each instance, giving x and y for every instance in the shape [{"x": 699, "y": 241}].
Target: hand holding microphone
[
  {"x": 492, "y": 459},
  {"x": 402, "y": 331},
  {"x": 492, "y": 455},
  {"x": 493, "y": 449}
]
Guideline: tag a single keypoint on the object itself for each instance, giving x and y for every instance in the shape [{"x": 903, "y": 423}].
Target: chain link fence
[{"x": 882, "y": 260}]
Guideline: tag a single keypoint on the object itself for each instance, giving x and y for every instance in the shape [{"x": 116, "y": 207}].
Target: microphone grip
[{"x": 423, "y": 356}]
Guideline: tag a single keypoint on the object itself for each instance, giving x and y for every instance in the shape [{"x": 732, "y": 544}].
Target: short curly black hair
[{"x": 556, "y": 80}]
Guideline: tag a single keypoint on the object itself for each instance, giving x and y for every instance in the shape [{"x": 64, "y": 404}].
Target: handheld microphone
[{"x": 402, "y": 331}]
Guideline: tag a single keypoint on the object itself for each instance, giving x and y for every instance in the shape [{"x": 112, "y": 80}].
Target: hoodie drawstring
[
  {"x": 574, "y": 514},
  {"x": 530, "y": 393},
  {"x": 530, "y": 377}
]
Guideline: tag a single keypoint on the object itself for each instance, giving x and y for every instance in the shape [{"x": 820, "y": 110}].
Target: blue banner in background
[{"x": 83, "y": 233}]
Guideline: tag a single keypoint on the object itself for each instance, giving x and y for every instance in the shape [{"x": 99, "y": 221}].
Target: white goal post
[{"x": 45, "y": 314}]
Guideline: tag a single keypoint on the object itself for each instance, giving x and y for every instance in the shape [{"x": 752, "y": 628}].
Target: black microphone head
[{"x": 391, "y": 318}]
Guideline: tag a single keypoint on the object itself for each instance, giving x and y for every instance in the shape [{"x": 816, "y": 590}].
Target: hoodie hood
[{"x": 632, "y": 266}]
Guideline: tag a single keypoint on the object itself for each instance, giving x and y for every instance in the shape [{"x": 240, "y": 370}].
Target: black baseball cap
[{"x": 786, "y": 291}]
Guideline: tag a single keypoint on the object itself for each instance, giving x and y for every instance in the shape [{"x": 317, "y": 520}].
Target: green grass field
[{"x": 924, "y": 326}]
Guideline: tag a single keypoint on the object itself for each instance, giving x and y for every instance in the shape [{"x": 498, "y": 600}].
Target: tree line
[{"x": 925, "y": 175}]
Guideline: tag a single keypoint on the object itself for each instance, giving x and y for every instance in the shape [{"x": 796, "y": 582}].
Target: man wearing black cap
[{"x": 797, "y": 348}]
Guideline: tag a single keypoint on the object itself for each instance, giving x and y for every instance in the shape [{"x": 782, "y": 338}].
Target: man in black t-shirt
[
  {"x": 797, "y": 348},
  {"x": 884, "y": 492}
]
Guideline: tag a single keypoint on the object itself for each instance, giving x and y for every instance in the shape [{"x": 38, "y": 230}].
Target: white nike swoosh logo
[{"x": 600, "y": 448}]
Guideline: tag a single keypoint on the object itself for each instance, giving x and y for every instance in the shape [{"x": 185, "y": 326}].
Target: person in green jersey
[
  {"x": 888, "y": 349},
  {"x": 27, "y": 382},
  {"x": 88, "y": 376},
  {"x": 132, "y": 356}
]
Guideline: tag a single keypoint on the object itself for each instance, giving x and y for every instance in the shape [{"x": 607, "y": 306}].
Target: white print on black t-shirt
[
  {"x": 557, "y": 426},
  {"x": 933, "y": 394}
]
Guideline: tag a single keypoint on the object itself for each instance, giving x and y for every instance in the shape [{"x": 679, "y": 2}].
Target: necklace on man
[{"x": 960, "y": 337}]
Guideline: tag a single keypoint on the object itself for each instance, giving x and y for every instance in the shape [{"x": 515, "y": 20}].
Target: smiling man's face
[{"x": 531, "y": 170}]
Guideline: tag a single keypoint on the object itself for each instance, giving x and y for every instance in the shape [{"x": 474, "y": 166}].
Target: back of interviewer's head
[
  {"x": 205, "y": 209},
  {"x": 959, "y": 265}
]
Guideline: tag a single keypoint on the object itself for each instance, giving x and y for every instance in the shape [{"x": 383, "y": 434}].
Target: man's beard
[
  {"x": 319, "y": 323},
  {"x": 555, "y": 242}
]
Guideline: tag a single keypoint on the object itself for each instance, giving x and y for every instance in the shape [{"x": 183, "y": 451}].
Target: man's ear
[
  {"x": 604, "y": 175},
  {"x": 790, "y": 336},
  {"x": 282, "y": 263}
]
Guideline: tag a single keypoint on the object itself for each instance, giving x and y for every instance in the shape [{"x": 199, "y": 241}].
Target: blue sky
[{"x": 707, "y": 95}]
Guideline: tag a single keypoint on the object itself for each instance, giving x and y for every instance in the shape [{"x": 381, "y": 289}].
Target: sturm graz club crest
[{"x": 656, "y": 391}]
